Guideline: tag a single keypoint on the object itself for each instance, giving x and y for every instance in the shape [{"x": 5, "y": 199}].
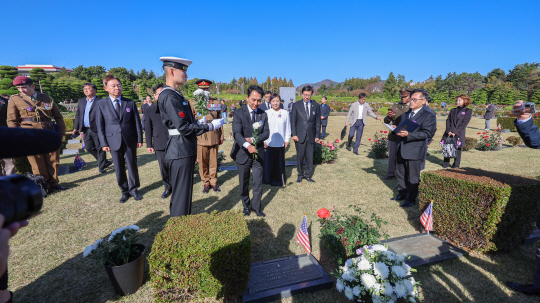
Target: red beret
[{"x": 22, "y": 80}]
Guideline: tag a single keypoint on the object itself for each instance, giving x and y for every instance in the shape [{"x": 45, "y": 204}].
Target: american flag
[
  {"x": 427, "y": 218},
  {"x": 79, "y": 162},
  {"x": 302, "y": 236}
]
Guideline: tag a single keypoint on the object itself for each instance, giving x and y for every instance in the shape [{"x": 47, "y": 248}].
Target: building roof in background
[{"x": 48, "y": 68}]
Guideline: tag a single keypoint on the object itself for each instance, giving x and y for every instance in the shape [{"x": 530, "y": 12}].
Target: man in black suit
[
  {"x": 249, "y": 155},
  {"x": 146, "y": 103},
  {"x": 157, "y": 136},
  {"x": 325, "y": 112},
  {"x": 181, "y": 151},
  {"x": 85, "y": 123},
  {"x": 305, "y": 131},
  {"x": 266, "y": 102},
  {"x": 120, "y": 132},
  {"x": 411, "y": 147}
]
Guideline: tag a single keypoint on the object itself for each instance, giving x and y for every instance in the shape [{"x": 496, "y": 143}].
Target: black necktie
[
  {"x": 117, "y": 107},
  {"x": 252, "y": 116},
  {"x": 307, "y": 110},
  {"x": 412, "y": 115}
]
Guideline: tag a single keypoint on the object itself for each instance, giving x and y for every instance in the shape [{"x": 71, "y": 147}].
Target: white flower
[
  {"x": 198, "y": 92},
  {"x": 207, "y": 93},
  {"x": 87, "y": 251},
  {"x": 412, "y": 300},
  {"x": 399, "y": 271},
  {"x": 124, "y": 238},
  {"x": 339, "y": 285},
  {"x": 381, "y": 270},
  {"x": 349, "y": 293},
  {"x": 96, "y": 244},
  {"x": 379, "y": 247},
  {"x": 349, "y": 262},
  {"x": 256, "y": 125},
  {"x": 389, "y": 255},
  {"x": 356, "y": 291},
  {"x": 409, "y": 285},
  {"x": 363, "y": 264},
  {"x": 394, "y": 299},
  {"x": 377, "y": 288},
  {"x": 352, "y": 272},
  {"x": 134, "y": 227},
  {"x": 414, "y": 293},
  {"x": 407, "y": 269},
  {"x": 347, "y": 276},
  {"x": 376, "y": 298},
  {"x": 400, "y": 289},
  {"x": 387, "y": 288},
  {"x": 368, "y": 280},
  {"x": 400, "y": 258}
]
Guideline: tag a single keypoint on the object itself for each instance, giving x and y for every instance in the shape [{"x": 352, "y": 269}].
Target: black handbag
[
  {"x": 343, "y": 132},
  {"x": 449, "y": 146}
]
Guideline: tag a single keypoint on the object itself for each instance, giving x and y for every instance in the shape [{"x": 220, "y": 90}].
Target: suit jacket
[
  {"x": 325, "y": 112},
  {"x": 490, "y": 111},
  {"x": 398, "y": 109},
  {"x": 355, "y": 109},
  {"x": 301, "y": 126},
  {"x": 413, "y": 147},
  {"x": 529, "y": 133},
  {"x": 457, "y": 121},
  {"x": 243, "y": 128},
  {"x": 79, "y": 114},
  {"x": 112, "y": 129},
  {"x": 264, "y": 107},
  {"x": 156, "y": 133}
]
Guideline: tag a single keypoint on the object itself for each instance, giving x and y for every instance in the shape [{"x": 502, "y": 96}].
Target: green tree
[
  {"x": 535, "y": 97},
  {"x": 390, "y": 86},
  {"x": 38, "y": 75},
  {"x": 523, "y": 75},
  {"x": 508, "y": 97},
  {"x": 127, "y": 90},
  {"x": 495, "y": 97},
  {"x": 100, "y": 90},
  {"x": 9, "y": 72},
  {"x": 522, "y": 95},
  {"x": 143, "y": 90},
  {"x": 120, "y": 72},
  {"x": 497, "y": 73},
  {"x": 482, "y": 97}
]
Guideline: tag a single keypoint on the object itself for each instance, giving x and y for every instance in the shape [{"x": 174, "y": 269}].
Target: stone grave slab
[
  {"x": 67, "y": 169},
  {"x": 282, "y": 278},
  {"x": 423, "y": 249},
  {"x": 70, "y": 151},
  {"x": 73, "y": 141},
  {"x": 533, "y": 237}
]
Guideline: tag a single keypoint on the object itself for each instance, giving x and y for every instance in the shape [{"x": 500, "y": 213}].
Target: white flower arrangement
[
  {"x": 378, "y": 275},
  {"x": 117, "y": 249},
  {"x": 198, "y": 92},
  {"x": 257, "y": 125},
  {"x": 256, "y": 130}
]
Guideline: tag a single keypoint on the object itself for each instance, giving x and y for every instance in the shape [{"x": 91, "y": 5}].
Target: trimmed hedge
[
  {"x": 481, "y": 210},
  {"x": 201, "y": 256},
  {"x": 470, "y": 143},
  {"x": 69, "y": 123},
  {"x": 508, "y": 123},
  {"x": 383, "y": 111}
]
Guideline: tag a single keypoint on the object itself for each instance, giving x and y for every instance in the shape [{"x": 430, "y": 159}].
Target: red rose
[
  {"x": 181, "y": 114},
  {"x": 385, "y": 132},
  {"x": 381, "y": 131},
  {"x": 483, "y": 133},
  {"x": 375, "y": 140},
  {"x": 322, "y": 143},
  {"x": 323, "y": 213},
  {"x": 487, "y": 144},
  {"x": 478, "y": 134},
  {"x": 369, "y": 139},
  {"x": 337, "y": 141}
]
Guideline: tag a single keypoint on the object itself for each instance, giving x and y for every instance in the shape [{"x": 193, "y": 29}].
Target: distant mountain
[{"x": 318, "y": 84}]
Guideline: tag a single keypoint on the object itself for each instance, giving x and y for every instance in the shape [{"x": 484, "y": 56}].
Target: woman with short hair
[
  {"x": 456, "y": 123},
  {"x": 280, "y": 134}
]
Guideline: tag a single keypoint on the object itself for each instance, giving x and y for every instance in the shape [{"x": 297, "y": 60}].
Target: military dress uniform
[
  {"x": 208, "y": 143},
  {"x": 38, "y": 112}
]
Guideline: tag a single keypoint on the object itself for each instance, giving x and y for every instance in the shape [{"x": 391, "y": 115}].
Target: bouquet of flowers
[
  {"x": 377, "y": 275},
  {"x": 201, "y": 101},
  {"x": 256, "y": 129},
  {"x": 117, "y": 248}
]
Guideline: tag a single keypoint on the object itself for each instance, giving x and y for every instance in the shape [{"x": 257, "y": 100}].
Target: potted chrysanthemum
[
  {"x": 122, "y": 258},
  {"x": 377, "y": 275}
]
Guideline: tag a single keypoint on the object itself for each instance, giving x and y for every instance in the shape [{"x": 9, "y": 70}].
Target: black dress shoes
[
  {"x": 529, "y": 290},
  {"x": 216, "y": 189},
  {"x": 102, "y": 171},
  {"x": 299, "y": 179},
  {"x": 107, "y": 164},
  {"x": 247, "y": 211},
  {"x": 124, "y": 198},
  {"x": 389, "y": 177},
  {"x": 206, "y": 189},
  {"x": 407, "y": 203},
  {"x": 166, "y": 194},
  {"x": 137, "y": 196},
  {"x": 356, "y": 153},
  {"x": 399, "y": 197},
  {"x": 58, "y": 187},
  {"x": 260, "y": 213},
  {"x": 310, "y": 180}
]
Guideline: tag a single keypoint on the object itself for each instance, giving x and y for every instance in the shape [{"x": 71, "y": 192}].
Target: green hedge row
[
  {"x": 481, "y": 210},
  {"x": 198, "y": 257},
  {"x": 508, "y": 123}
]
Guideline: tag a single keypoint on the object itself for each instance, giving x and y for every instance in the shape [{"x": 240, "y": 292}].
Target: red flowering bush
[
  {"x": 489, "y": 142},
  {"x": 379, "y": 149},
  {"x": 325, "y": 152},
  {"x": 323, "y": 213}
]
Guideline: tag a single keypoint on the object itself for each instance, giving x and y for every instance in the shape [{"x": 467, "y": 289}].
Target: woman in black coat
[{"x": 457, "y": 121}]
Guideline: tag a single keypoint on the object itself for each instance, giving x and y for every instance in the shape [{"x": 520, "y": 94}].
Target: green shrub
[
  {"x": 201, "y": 256},
  {"x": 383, "y": 111},
  {"x": 508, "y": 108},
  {"x": 508, "y": 123},
  {"x": 481, "y": 210},
  {"x": 515, "y": 141},
  {"x": 491, "y": 141},
  {"x": 22, "y": 165},
  {"x": 61, "y": 107},
  {"x": 470, "y": 143},
  {"x": 69, "y": 123},
  {"x": 325, "y": 152}
]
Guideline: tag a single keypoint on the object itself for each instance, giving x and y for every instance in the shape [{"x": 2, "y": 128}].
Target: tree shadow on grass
[{"x": 84, "y": 279}]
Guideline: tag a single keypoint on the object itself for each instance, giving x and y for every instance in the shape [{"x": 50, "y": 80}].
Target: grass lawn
[{"x": 46, "y": 263}]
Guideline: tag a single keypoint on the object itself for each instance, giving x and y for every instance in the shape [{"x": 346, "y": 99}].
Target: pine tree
[
  {"x": 127, "y": 90},
  {"x": 495, "y": 97},
  {"x": 508, "y": 97},
  {"x": 100, "y": 90},
  {"x": 522, "y": 95},
  {"x": 143, "y": 91},
  {"x": 482, "y": 97},
  {"x": 291, "y": 83},
  {"x": 535, "y": 97},
  {"x": 9, "y": 72},
  {"x": 390, "y": 86}
]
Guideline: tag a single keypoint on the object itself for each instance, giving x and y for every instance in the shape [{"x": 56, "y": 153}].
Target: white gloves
[
  {"x": 215, "y": 124},
  {"x": 202, "y": 121}
]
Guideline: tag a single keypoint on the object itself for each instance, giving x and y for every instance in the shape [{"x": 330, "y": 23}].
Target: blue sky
[{"x": 305, "y": 41}]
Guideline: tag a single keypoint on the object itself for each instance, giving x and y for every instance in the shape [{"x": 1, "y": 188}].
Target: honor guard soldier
[
  {"x": 31, "y": 109},
  {"x": 183, "y": 127},
  {"x": 208, "y": 143}
]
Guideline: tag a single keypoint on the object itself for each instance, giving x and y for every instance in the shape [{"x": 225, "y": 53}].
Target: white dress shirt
[
  {"x": 360, "y": 111},
  {"x": 414, "y": 112},
  {"x": 119, "y": 100},
  {"x": 280, "y": 128}
]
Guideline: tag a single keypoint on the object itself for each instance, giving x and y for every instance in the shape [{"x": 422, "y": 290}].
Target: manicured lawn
[{"x": 46, "y": 263}]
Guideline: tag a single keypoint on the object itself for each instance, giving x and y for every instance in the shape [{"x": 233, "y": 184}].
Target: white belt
[{"x": 174, "y": 132}]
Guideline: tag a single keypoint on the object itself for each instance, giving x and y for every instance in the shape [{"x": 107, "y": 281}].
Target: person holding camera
[{"x": 456, "y": 123}]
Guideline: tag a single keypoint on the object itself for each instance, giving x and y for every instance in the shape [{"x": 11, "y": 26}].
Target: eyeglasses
[
  {"x": 416, "y": 100},
  {"x": 306, "y": 95}
]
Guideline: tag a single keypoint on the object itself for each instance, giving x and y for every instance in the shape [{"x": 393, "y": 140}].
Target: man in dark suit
[
  {"x": 146, "y": 103},
  {"x": 249, "y": 155},
  {"x": 157, "y": 136},
  {"x": 325, "y": 112},
  {"x": 85, "y": 123},
  {"x": 411, "y": 147},
  {"x": 266, "y": 102},
  {"x": 531, "y": 137},
  {"x": 305, "y": 131},
  {"x": 119, "y": 130},
  {"x": 181, "y": 151}
]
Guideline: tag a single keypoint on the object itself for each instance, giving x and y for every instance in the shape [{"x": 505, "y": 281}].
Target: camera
[
  {"x": 529, "y": 108},
  {"x": 21, "y": 198}
]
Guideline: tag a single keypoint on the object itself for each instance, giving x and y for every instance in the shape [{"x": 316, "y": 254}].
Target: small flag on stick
[
  {"x": 79, "y": 162},
  {"x": 302, "y": 236},
  {"x": 427, "y": 218}
]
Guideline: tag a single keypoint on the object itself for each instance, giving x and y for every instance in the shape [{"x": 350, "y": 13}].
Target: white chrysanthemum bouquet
[
  {"x": 256, "y": 129},
  {"x": 201, "y": 101},
  {"x": 377, "y": 275},
  {"x": 117, "y": 248}
]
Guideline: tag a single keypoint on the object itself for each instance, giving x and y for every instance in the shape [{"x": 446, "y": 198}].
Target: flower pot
[{"x": 127, "y": 279}]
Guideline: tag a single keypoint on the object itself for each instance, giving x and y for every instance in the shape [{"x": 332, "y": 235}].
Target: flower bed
[
  {"x": 490, "y": 141},
  {"x": 379, "y": 145},
  {"x": 325, "y": 152}
]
